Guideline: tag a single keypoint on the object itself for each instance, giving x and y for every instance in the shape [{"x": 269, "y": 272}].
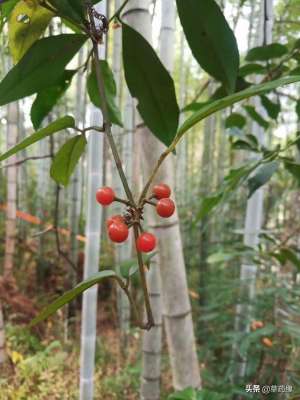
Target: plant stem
[
  {"x": 138, "y": 320},
  {"x": 150, "y": 202},
  {"x": 150, "y": 320},
  {"x": 107, "y": 128},
  {"x": 161, "y": 159},
  {"x": 118, "y": 12},
  {"x": 126, "y": 202},
  {"x": 106, "y": 119}
]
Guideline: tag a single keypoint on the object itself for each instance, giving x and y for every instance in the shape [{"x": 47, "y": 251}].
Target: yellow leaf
[
  {"x": 27, "y": 23},
  {"x": 16, "y": 357}
]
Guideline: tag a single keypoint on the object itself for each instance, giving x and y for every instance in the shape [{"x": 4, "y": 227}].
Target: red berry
[
  {"x": 146, "y": 242},
  {"x": 162, "y": 191},
  {"x": 118, "y": 232},
  {"x": 105, "y": 196},
  {"x": 165, "y": 208},
  {"x": 115, "y": 218}
]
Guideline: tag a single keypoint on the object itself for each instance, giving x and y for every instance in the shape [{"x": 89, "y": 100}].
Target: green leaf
[
  {"x": 287, "y": 254},
  {"x": 236, "y": 176},
  {"x": 293, "y": 168},
  {"x": 235, "y": 120},
  {"x": 41, "y": 67},
  {"x": 251, "y": 111},
  {"x": 295, "y": 71},
  {"x": 129, "y": 267},
  {"x": 110, "y": 91},
  {"x": 267, "y": 52},
  {"x": 72, "y": 9},
  {"x": 220, "y": 257},
  {"x": 186, "y": 394},
  {"x": 208, "y": 204},
  {"x": 252, "y": 68},
  {"x": 253, "y": 141},
  {"x": 232, "y": 180},
  {"x": 71, "y": 294},
  {"x": 56, "y": 126},
  {"x": 196, "y": 106},
  {"x": 193, "y": 394},
  {"x": 298, "y": 108},
  {"x": 7, "y": 8},
  {"x": 151, "y": 84},
  {"x": 225, "y": 102},
  {"x": 66, "y": 159},
  {"x": 241, "y": 144},
  {"x": 211, "y": 40},
  {"x": 205, "y": 394},
  {"x": 273, "y": 109},
  {"x": 46, "y": 99},
  {"x": 27, "y": 22},
  {"x": 255, "y": 337},
  {"x": 262, "y": 176}
]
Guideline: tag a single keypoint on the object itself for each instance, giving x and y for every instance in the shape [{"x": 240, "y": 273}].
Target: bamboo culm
[
  {"x": 176, "y": 303},
  {"x": 92, "y": 250}
]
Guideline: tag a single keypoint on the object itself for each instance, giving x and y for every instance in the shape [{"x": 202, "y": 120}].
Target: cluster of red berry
[{"x": 118, "y": 225}]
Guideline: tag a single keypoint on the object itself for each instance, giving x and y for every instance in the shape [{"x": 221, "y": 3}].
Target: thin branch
[
  {"x": 55, "y": 227},
  {"x": 126, "y": 202},
  {"x": 125, "y": 287},
  {"x": 118, "y": 12},
  {"x": 161, "y": 159},
  {"x": 198, "y": 94},
  {"x": 150, "y": 202},
  {"x": 150, "y": 319},
  {"x": 106, "y": 118},
  {"x": 43, "y": 232},
  {"x": 20, "y": 162},
  {"x": 288, "y": 95},
  {"x": 90, "y": 128},
  {"x": 276, "y": 71},
  {"x": 107, "y": 126}
]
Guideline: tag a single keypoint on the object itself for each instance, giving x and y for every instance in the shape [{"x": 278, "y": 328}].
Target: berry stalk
[{"x": 108, "y": 132}]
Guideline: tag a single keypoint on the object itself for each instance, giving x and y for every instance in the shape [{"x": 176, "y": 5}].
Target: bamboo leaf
[
  {"x": 71, "y": 294},
  {"x": 41, "y": 67},
  {"x": 110, "y": 90},
  {"x": 66, "y": 159},
  {"x": 225, "y": 102},
  {"x": 287, "y": 254},
  {"x": 211, "y": 40},
  {"x": 151, "y": 84},
  {"x": 27, "y": 22},
  {"x": 56, "y": 126}
]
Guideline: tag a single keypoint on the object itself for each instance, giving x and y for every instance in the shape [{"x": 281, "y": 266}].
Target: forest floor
[{"x": 45, "y": 366}]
